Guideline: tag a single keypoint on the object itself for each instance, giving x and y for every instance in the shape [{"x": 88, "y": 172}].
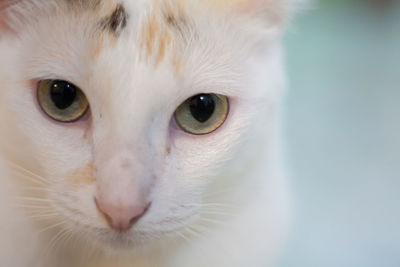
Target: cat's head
[{"x": 129, "y": 109}]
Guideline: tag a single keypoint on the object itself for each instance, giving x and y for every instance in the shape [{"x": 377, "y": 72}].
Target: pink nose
[{"x": 121, "y": 217}]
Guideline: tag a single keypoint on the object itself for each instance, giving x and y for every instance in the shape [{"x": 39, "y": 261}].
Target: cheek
[
  {"x": 74, "y": 190},
  {"x": 55, "y": 145},
  {"x": 200, "y": 155},
  {"x": 175, "y": 198}
]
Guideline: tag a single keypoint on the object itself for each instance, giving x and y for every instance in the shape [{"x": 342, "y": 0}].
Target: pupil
[
  {"x": 62, "y": 94},
  {"x": 202, "y": 107}
]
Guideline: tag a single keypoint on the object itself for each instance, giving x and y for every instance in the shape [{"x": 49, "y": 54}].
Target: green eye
[
  {"x": 203, "y": 113},
  {"x": 61, "y": 100}
]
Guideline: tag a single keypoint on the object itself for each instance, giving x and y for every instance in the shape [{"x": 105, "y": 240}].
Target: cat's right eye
[{"x": 61, "y": 100}]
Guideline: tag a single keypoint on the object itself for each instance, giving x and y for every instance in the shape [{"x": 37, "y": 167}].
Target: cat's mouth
[{"x": 122, "y": 240}]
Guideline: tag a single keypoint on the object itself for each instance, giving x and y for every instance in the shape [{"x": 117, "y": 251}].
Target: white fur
[{"x": 217, "y": 200}]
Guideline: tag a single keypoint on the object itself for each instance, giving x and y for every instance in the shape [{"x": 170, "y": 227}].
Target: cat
[{"x": 141, "y": 133}]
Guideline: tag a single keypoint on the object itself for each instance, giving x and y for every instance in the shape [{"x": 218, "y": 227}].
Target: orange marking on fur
[
  {"x": 98, "y": 46},
  {"x": 177, "y": 63},
  {"x": 163, "y": 46},
  {"x": 153, "y": 31},
  {"x": 161, "y": 32},
  {"x": 83, "y": 176}
]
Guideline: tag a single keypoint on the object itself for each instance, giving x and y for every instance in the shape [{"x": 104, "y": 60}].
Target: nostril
[{"x": 121, "y": 217}]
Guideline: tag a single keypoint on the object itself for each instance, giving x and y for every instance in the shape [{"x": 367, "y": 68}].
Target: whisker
[
  {"x": 43, "y": 216},
  {"x": 18, "y": 167},
  {"x": 198, "y": 235},
  {"x": 30, "y": 206},
  {"x": 51, "y": 227},
  {"x": 63, "y": 241},
  {"x": 220, "y": 192},
  {"x": 40, "y": 189},
  {"x": 216, "y": 212},
  {"x": 215, "y": 222},
  {"x": 50, "y": 248},
  {"x": 43, "y": 200},
  {"x": 206, "y": 231},
  {"x": 28, "y": 178},
  {"x": 184, "y": 237},
  {"x": 221, "y": 205}
]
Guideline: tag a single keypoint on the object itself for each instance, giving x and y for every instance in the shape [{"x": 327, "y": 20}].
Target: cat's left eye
[
  {"x": 61, "y": 100},
  {"x": 202, "y": 114}
]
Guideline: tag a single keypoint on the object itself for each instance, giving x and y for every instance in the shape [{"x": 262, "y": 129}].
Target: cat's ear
[
  {"x": 13, "y": 13},
  {"x": 268, "y": 12},
  {"x": 271, "y": 12},
  {"x": 4, "y": 6}
]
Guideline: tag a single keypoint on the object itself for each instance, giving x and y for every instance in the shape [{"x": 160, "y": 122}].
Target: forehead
[
  {"x": 160, "y": 30},
  {"x": 115, "y": 41},
  {"x": 113, "y": 15},
  {"x": 157, "y": 25}
]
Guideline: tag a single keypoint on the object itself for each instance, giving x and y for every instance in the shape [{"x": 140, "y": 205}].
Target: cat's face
[{"x": 128, "y": 163}]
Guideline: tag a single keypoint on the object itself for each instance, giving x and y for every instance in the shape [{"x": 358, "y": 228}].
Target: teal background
[{"x": 342, "y": 128}]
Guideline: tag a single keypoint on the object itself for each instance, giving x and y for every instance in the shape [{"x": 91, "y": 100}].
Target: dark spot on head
[
  {"x": 177, "y": 21},
  {"x": 117, "y": 21},
  {"x": 168, "y": 150},
  {"x": 171, "y": 20},
  {"x": 174, "y": 22}
]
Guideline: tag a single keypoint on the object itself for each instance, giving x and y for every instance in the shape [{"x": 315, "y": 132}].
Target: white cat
[{"x": 141, "y": 133}]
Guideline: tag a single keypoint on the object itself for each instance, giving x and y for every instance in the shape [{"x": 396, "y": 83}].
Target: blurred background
[{"x": 342, "y": 127}]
